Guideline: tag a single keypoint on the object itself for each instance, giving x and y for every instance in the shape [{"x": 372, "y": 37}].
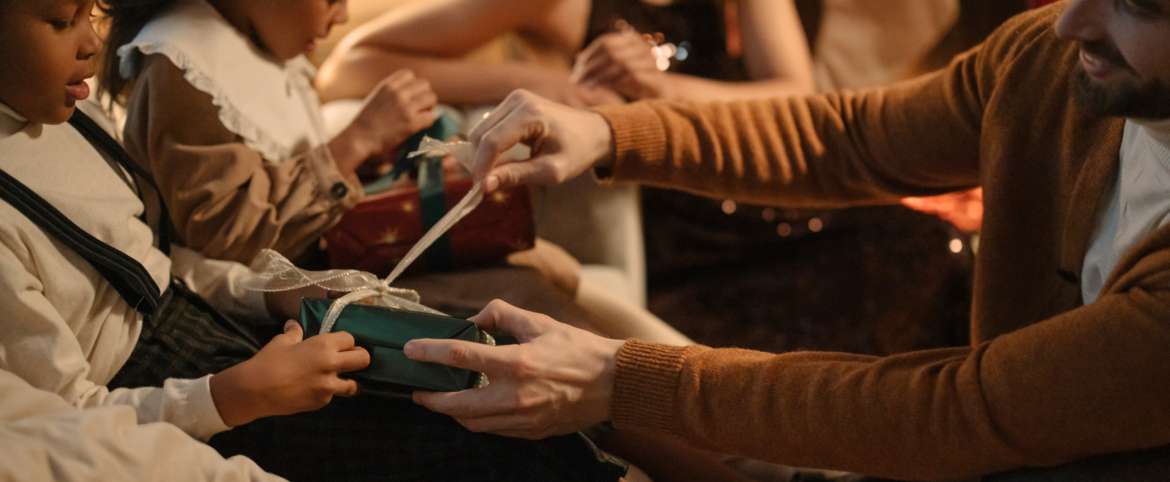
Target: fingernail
[
  {"x": 410, "y": 349},
  {"x": 289, "y": 324},
  {"x": 491, "y": 183}
]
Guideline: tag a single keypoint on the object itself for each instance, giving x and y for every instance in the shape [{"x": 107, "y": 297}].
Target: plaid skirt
[{"x": 351, "y": 439}]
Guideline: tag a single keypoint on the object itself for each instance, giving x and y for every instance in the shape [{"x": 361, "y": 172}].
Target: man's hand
[
  {"x": 564, "y": 141},
  {"x": 558, "y": 380},
  {"x": 288, "y": 376}
]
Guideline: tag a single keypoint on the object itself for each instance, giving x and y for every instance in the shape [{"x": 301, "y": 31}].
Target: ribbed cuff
[
  {"x": 639, "y": 137},
  {"x": 646, "y": 384}
]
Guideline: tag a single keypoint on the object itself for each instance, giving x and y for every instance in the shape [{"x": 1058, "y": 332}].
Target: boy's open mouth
[{"x": 78, "y": 90}]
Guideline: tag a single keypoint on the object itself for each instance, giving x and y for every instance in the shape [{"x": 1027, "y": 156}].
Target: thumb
[
  {"x": 293, "y": 332},
  {"x": 499, "y": 315},
  {"x": 538, "y": 170}
]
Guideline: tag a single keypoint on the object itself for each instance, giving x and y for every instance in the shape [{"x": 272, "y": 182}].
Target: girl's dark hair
[{"x": 124, "y": 19}]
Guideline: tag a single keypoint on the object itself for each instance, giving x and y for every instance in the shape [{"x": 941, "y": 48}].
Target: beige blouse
[{"x": 225, "y": 199}]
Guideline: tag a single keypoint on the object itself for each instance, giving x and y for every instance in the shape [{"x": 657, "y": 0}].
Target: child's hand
[
  {"x": 398, "y": 107},
  {"x": 288, "y": 376}
]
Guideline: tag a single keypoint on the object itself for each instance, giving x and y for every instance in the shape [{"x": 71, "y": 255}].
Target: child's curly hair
[{"x": 124, "y": 19}]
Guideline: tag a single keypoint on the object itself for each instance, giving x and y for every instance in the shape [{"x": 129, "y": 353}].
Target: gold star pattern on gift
[
  {"x": 500, "y": 197},
  {"x": 408, "y": 207},
  {"x": 390, "y": 236}
]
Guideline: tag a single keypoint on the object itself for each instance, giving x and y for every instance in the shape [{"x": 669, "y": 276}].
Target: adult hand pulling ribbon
[{"x": 273, "y": 272}]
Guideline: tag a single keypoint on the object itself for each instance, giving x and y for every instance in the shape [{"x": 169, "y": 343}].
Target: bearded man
[{"x": 1061, "y": 116}]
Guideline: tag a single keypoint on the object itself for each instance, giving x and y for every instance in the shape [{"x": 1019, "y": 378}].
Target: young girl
[
  {"x": 95, "y": 316},
  {"x": 223, "y": 114}
]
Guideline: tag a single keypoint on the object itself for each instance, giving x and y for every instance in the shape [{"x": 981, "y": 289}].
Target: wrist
[
  {"x": 668, "y": 88},
  {"x": 351, "y": 148},
  {"x": 608, "y": 377},
  {"x": 233, "y": 402},
  {"x": 603, "y": 148}
]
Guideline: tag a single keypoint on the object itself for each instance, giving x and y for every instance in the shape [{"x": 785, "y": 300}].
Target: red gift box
[{"x": 381, "y": 229}]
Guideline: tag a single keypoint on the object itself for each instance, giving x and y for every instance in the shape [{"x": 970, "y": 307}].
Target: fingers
[
  {"x": 621, "y": 56},
  {"x": 456, "y": 353},
  {"x": 606, "y": 76},
  {"x": 336, "y": 341},
  {"x": 346, "y": 388},
  {"x": 399, "y": 78},
  {"x": 468, "y": 404},
  {"x": 504, "y": 128},
  {"x": 292, "y": 333},
  {"x": 501, "y": 316},
  {"x": 355, "y": 359},
  {"x": 537, "y": 170}
]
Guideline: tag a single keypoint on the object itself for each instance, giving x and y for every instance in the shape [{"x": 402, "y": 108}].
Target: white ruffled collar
[{"x": 272, "y": 107}]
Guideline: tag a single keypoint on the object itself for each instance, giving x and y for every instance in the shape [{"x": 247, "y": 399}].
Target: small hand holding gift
[{"x": 289, "y": 375}]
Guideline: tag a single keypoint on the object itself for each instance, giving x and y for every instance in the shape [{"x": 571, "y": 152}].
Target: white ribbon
[{"x": 273, "y": 272}]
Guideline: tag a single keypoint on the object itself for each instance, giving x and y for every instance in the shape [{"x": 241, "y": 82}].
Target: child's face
[
  {"x": 288, "y": 28},
  {"x": 45, "y": 52}
]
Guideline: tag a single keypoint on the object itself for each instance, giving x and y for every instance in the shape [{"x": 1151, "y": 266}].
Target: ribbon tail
[{"x": 463, "y": 208}]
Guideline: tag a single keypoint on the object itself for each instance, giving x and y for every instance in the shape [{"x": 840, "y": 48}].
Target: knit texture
[{"x": 1047, "y": 379}]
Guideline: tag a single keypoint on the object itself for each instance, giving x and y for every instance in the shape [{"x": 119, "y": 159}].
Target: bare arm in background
[
  {"x": 419, "y": 35},
  {"x": 775, "y": 52}
]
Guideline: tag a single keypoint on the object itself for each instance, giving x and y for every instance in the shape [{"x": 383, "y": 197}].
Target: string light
[
  {"x": 956, "y": 245},
  {"x": 815, "y": 225},
  {"x": 769, "y": 214}
]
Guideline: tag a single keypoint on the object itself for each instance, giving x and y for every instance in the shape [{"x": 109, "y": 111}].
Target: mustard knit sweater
[{"x": 1046, "y": 380}]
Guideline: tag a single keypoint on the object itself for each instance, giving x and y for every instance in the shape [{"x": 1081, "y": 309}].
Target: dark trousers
[{"x": 362, "y": 438}]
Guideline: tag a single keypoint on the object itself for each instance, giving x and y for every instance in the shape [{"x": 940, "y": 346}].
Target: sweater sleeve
[
  {"x": 38, "y": 345},
  {"x": 225, "y": 199},
  {"x": 917, "y": 138},
  {"x": 43, "y": 438},
  {"x": 1088, "y": 381}
]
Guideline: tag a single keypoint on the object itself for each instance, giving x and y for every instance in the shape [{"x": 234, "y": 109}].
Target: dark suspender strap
[
  {"x": 102, "y": 140},
  {"x": 124, "y": 273}
]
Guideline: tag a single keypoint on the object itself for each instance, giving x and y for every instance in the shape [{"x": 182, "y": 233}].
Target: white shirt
[
  {"x": 65, "y": 329},
  {"x": 43, "y": 438},
  {"x": 1140, "y": 202}
]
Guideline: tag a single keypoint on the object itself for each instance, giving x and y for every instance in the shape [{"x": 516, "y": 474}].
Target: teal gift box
[{"x": 384, "y": 332}]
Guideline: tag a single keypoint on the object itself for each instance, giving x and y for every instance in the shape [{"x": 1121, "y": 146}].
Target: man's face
[
  {"x": 1125, "y": 55},
  {"x": 288, "y": 28},
  {"x": 45, "y": 52}
]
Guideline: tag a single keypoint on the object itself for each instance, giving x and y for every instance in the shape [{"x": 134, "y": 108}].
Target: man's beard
[{"x": 1134, "y": 98}]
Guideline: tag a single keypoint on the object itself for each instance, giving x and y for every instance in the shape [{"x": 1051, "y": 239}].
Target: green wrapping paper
[{"x": 384, "y": 332}]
